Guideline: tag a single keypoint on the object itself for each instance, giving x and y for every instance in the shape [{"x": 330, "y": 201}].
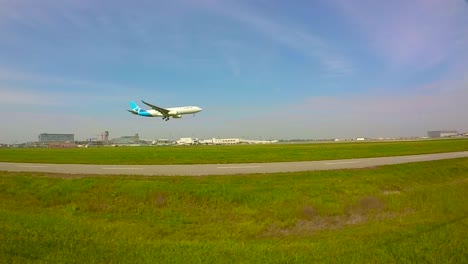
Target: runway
[{"x": 222, "y": 169}]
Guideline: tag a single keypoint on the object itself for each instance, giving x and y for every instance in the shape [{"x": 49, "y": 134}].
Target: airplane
[{"x": 165, "y": 113}]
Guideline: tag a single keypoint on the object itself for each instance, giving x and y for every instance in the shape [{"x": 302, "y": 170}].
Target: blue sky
[{"x": 259, "y": 69}]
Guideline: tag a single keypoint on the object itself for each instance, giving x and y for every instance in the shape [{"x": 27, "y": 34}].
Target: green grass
[
  {"x": 231, "y": 154},
  {"x": 413, "y": 212}
]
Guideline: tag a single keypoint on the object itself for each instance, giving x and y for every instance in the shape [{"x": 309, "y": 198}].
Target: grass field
[
  {"x": 231, "y": 154},
  {"x": 413, "y": 212}
]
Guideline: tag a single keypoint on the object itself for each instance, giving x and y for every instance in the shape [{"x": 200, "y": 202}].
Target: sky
[{"x": 260, "y": 69}]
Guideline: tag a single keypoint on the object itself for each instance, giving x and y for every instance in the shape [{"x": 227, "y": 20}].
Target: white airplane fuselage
[{"x": 175, "y": 112}]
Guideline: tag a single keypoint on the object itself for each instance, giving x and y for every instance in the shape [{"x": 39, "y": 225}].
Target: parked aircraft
[{"x": 165, "y": 113}]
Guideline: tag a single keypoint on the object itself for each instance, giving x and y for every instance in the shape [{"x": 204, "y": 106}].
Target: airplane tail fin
[{"x": 134, "y": 107}]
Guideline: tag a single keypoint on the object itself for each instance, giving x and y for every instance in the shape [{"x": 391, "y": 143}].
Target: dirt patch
[
  {"x": 320, "y": 223},
  {"x": 366, "y": 209}
]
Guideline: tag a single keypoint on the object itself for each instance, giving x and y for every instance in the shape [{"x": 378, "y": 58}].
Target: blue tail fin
[{"x": 134, "y": 107}]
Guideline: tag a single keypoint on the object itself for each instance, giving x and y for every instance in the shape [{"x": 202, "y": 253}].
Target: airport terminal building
[
  {"x": 442, "y": 133},
  {"x": 46, "y": 138}
]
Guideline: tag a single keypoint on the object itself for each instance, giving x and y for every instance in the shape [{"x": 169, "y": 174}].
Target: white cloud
[
  {"x": 418, "y": 34},
  {"x": 292, "y": 35},
  {"x": 13, "y": 96},
  {"x": 25, "y": 89},
  {"x": 435, "y": 106}
]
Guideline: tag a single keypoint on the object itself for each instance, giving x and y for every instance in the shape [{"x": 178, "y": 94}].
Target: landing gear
[{"x": 165, "y": 118}]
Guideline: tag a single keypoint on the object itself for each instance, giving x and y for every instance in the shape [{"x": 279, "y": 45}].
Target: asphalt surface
[{"x": 222, "y": 169}]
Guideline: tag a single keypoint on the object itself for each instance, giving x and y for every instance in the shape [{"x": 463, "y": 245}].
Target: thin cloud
[
  {"x": 81, "y": 17},
  {"x": 418, "y": 34},
  {"x": 372, "y": 115},
  {"x": 290, "y": 35},
  {"x": 14, "y": 96},
  {"x": 29, "y": 81}
]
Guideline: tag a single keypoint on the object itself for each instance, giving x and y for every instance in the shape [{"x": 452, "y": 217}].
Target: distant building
[
  {"x": 162, "y": 142},
  {"x": 187, "y": 141},
  {"x": 226, "y": 141},
  {"x": 106, "y": 136},
  {"x": 442, "y": 133},
  {"x": 126, "y": 140},
  {"x": 234, "y": 141},
  {"x": 56, "y": 138}
]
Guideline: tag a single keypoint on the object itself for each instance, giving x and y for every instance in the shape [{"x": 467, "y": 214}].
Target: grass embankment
[
  {"x": 403, "y": 213},
  {"x": 231, "y": 154}
]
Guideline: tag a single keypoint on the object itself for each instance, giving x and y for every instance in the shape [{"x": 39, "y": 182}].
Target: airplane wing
[{"x": 163, "y": 111}]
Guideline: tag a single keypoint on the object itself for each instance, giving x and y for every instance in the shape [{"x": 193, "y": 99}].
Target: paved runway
[{"x": 223, "y": 169}]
